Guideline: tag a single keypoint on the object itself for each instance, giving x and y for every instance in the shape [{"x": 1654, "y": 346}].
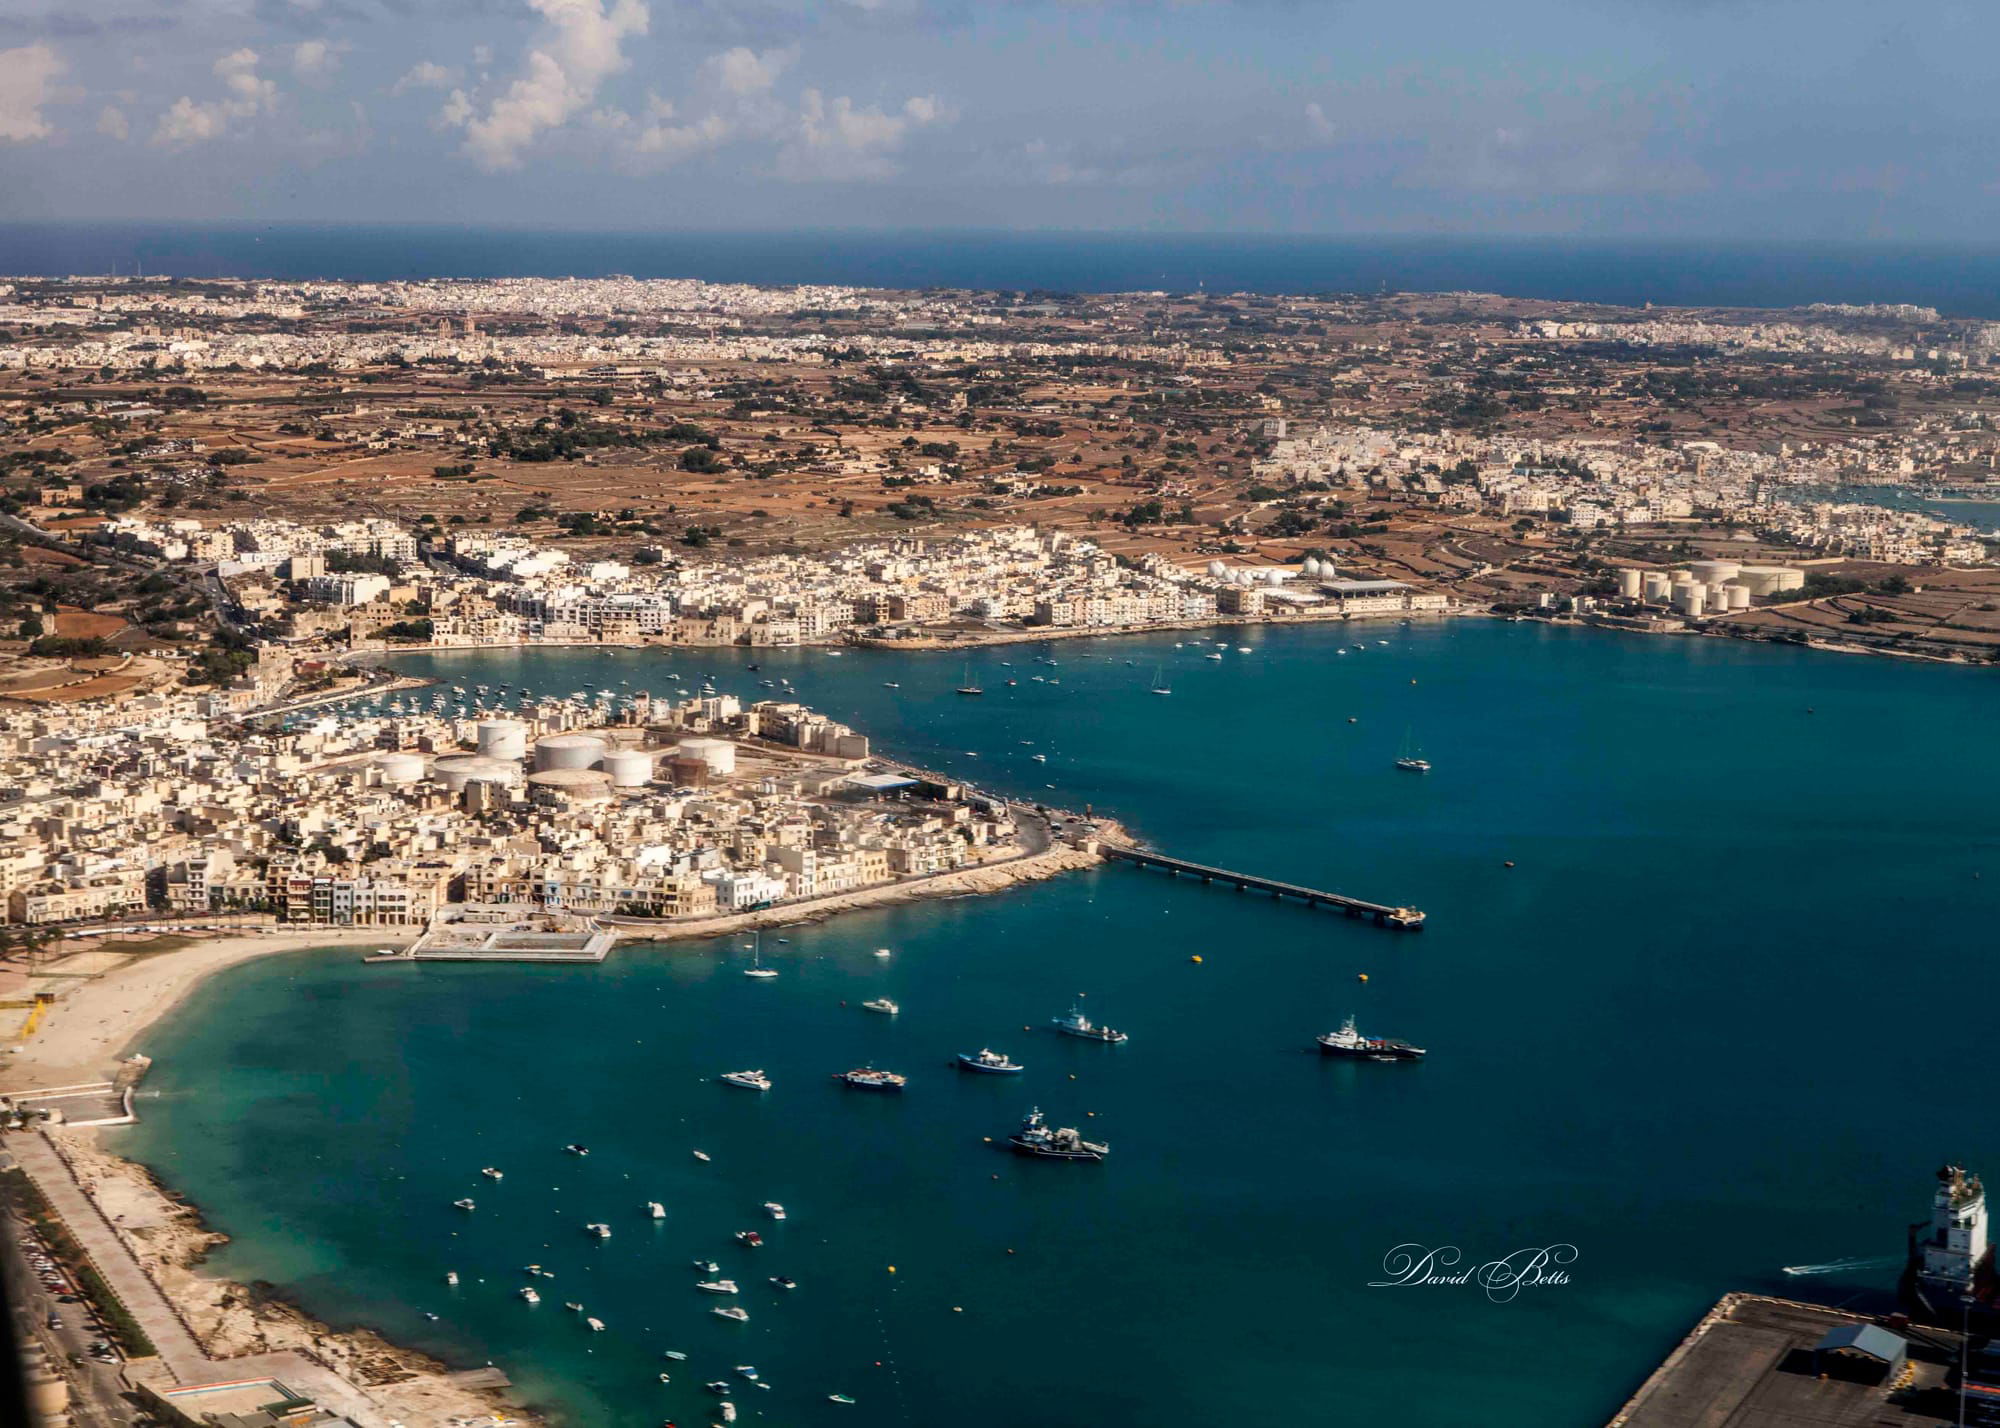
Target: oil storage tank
[
  {"x": 568, "y": 751},
  {"x": 503, "y": 739},
  {"x": 566, "y": 788},
  {"x": 718, "y": 754},
  {"x": 401, "y": 768},
  {"x": 629, "y": 768},
  {"x": 455, "y": 771}
]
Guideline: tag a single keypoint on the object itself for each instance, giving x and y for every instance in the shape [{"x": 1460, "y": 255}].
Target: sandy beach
[{"x": 92, "y": 1027}]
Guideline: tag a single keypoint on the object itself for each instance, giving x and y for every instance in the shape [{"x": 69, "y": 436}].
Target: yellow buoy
[
  {"x": 1195, "y": 958},
  {"x": 1361, "y": 976},
  {"x": 892, "y": 1269}
]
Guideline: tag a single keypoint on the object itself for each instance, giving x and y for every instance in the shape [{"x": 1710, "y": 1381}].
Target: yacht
[
  {"x": 717, "y": 1286},
  {"x": 867, "y": 1078},
  {"x": 1037, "y": 1139},
  {"x": 749, "y": 1080},
  {"x": 655, "y": 1210},
  {"x": 749, "y": 1239},
  {"x": 1409, "y": 764},
  {"x": 726, "y": 1410},
  {"x": 736, "y": 1312},
  {"x": 676, "y": 1355},
  {"x": 890, "y": 684},
  {"x": 1216, "y": 655},
  {"x": 701, "y": 1155},
  {"x": 883, "y": 1005},
  {"x": 838, "y": 1398},
  {"x": 969, "y": 687},
  {"x": 1077, "y": 1024},
  {"x": 991, "y": 1063},
  {"x": 491, "y": 1174},
  {"x": 774, "y": 1209},
  {"x": 708, "y": 1266},
  {"x": 1039, "y": 758},
  {"x": 783, "y": 1281},
  {"x": 757, "y": 968},
  {"x": 602, "y": 1232},
  {"x": 531, "y": 1296},
  {"x": 1349, "y": 1042},
  {"x": 882, "y": 952},
  {"x": 596, "y": 1325},
  {"x": 573, "y": 1307},
  {"x": 463, "y": 1205}
]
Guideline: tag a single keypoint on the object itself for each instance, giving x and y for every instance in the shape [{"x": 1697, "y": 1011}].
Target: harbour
[{"x": 1330, "y": 1162}]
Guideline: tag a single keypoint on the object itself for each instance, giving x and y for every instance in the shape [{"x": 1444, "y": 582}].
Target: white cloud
[
  {"x": 674, "y": 142},
  {"x": 1317, "y": 123},
  {"x": 426, "y": 74},
  {"x": 743, "y": 71},
  {"x": 316, "y": 59},
  {"x": 583, "y": 45},
  {"x": 27, "y": 82},
  {"x": 837, "y": 140},
  {"x": 245, "y": 96},
  {"x": 112, "y": 123}
]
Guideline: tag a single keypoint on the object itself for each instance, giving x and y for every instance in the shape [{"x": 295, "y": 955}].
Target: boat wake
[{"x": 1837, "y": 1266}]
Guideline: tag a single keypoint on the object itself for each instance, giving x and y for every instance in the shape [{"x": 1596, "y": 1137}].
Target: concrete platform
[{"x": 1748, "y": 1365}]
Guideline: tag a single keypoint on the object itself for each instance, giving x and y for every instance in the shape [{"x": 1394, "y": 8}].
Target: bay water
[{"x": 1705, "y": 989}]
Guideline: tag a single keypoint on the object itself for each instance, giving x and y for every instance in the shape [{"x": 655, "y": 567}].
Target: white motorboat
[
  {"x": 531, "y": 1296},
  {"x": 717, "y": 1286},
  {"x": 883, "y": 1005},
  {"x": 748, "y": 1080},
  {"x": 655, "y": 1210},
  {"x": 774, "y": 1209}
]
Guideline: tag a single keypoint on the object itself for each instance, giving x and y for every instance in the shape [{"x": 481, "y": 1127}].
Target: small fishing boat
[
  {"x": 749, "y": 1239},
  {"x": 602, "y": 1232},
  {"x": 596, "y": 1325},
  {"x": 451, "y": 1276},
  {"x": 783, "y": 1281},
  {"x": 838, "y": 1398},
  {"x": 676, "y": 1355},
  {"x": 491, "y": 1174},
  {"x": 655, "y": 1210},
  {"x": 666, "y": 1378},
  {"x": 573, "y": 1307},
  {"x": 701, "y": 1155},
  {"x": 531, "y": 1296},
  {"x": 577, "y": 1149},
  {"x": 989, "y": 1063},
  {"x": 867, "y": 1078},
  {"x": 747, "y": 1370},
  {"x": 717, "y": 1385},
  {"x": 708, "y": 1266},
  {"x": 882, "y": 952}
]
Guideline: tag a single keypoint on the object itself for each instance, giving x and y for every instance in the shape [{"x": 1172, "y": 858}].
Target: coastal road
[{"x": 97, "y": 1390}]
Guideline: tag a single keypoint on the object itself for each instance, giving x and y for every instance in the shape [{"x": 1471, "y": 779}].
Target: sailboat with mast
[
  {"x": 1160, "y": 685},
  {"x": 757, "y": 968},
  {"x": 968, "y": 687},
  {"x": 1409, "y": 761}
]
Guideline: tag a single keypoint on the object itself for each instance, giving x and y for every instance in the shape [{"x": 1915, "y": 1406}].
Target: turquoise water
[{"x": 1725, "y": 1014}]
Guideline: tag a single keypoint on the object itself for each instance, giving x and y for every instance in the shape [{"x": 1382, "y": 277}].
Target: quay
[
  {"x": 502, "y": 932},
  {"x": 1402, "y": 919}
]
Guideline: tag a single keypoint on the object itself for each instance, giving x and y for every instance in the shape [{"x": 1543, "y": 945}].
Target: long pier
[{"x": 1402, "y": 919}]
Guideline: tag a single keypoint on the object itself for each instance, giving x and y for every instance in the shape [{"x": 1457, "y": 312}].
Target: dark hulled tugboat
[
  {"x": 1349, "y": 1042},
  {"x": 1036, "y": 1138}
]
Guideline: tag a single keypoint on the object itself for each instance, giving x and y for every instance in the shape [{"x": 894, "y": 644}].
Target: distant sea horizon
[{"x": 1960, "y": 280}]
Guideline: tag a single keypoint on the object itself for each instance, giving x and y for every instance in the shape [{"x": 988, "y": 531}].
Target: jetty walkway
[{"x": 1401, "y": 919}]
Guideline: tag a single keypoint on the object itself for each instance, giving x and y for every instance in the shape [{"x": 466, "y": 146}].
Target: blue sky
[{"x": 1797, "y": 119}]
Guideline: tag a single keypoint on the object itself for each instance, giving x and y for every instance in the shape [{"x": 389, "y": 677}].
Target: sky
[{"x": 1793, "y": 119}]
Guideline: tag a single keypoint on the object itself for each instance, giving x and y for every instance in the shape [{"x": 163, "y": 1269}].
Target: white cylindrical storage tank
[
  {"x": 718, "y": 754},
  {"x": 454, "y": 771},
  {"x": 1629, "y": 584},
  {"x": 629, "y": 768},
  {"x": 1690, "y": 599},
  {"x": 1791, "y": 579},
  {"x": 1658, "y": 586},
  {"x": 503, "y": 739},
  {"x": 1739, "y": 597},
  {"x": 401, "y": 768},
  {"x": 561, "y": 787},
  {"x": 1714, "y": 572},
  {"x": 567, "y": 751},
  {"x": 1718, "y": 596}
]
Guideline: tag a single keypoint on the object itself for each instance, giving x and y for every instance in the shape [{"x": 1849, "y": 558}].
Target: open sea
[
  {"x": 1725, "y": 1013},
  {"x": 1959, "y": 280}
]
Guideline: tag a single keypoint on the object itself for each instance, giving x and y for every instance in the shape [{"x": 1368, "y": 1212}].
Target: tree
[{"x": 32, "y": 627}]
